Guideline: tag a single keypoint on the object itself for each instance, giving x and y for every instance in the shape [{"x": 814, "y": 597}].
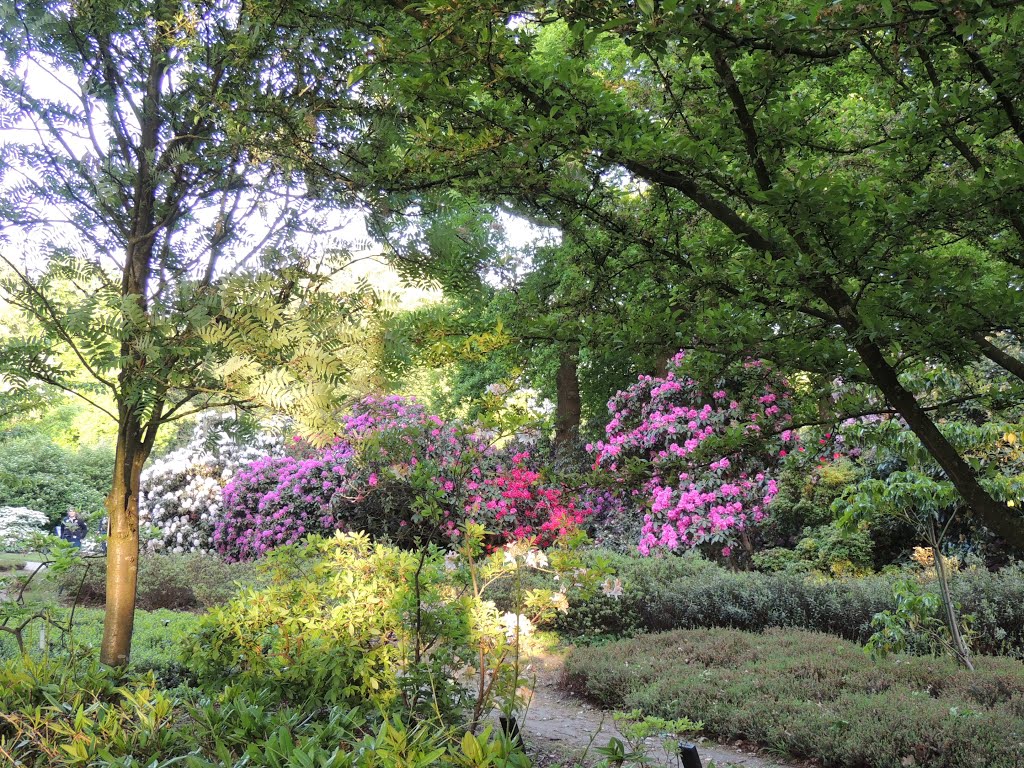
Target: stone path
[{"x": 556, "y": 719}]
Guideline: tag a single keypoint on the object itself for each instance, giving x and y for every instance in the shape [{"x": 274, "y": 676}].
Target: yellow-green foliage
[
  {"x": 73, "y": 713},
  {"x": 76, "y": 713},
  {"x": 336, "y": 634},
  {"x": 347, "y": 621}
]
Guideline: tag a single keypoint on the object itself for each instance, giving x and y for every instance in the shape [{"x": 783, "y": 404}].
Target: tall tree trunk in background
[
  {"x": 661, "y": 364},
  {"x": 568, "y": 408}
]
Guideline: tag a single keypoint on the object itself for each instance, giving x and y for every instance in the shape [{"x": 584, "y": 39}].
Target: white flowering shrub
[
  {"x": 18, "y": 525},
  {"x": 181, "y": 492}
]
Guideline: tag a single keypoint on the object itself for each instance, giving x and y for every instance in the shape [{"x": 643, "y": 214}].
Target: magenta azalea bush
[
  {"x": 703, "y": 463},
  {"x": 515, "y": 502},
  {"x": 396, "y": 471},
  {"x": 277, "y": 500}
]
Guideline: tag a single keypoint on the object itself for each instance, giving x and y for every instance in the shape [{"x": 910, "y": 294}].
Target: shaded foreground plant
[
  {"x": 349, "y": 622},
  {"x": 73, "y": 712}
]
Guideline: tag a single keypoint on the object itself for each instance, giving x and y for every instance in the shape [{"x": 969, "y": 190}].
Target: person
[{"x": 73, "y": 528}]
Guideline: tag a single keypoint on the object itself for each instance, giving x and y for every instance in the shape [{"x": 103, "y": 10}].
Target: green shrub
[
  {"x": 185, "y": 582},
  {"x": 37, "y": 473},
  {"x": 70, "y": 713},
  {"x": 337, "y": 626},
  {"x": 825, "y": 549},
  {"x": 816, "y": 696},
  {"x": 688, "y": 592}
]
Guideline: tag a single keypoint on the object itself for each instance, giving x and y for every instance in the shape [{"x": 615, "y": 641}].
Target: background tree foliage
[{"x": 832, "y": 186}]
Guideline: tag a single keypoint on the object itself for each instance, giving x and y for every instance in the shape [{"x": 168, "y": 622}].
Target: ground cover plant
[
  {"x": 813, "y": 695},
  {"x": 74, "y": 712}
]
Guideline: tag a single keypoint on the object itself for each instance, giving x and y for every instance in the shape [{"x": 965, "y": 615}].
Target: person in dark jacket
[{"x": 73, "y": 528}]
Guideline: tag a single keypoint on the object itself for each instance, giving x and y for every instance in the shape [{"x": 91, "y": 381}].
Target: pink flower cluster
[
  {"x": 396, "y": 471},
  {"x": 277, "y": 500},
  {"x": 517, "y": 504},
  {"x": 707, "y": 460}
]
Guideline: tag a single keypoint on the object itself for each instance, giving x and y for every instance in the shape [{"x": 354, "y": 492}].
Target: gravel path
[{"x": 559, "y": 725}]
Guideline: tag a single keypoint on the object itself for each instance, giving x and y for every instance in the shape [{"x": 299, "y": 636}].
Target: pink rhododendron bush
[
  {"x": 702, "y": 461},
  {"x": 397, "y": 472}
]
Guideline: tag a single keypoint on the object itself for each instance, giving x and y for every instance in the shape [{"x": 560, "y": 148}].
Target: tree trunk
[
  {"x": 661, "y": 364},
  {"x": 1003, "y": 359},
  {"x": 999, "y": 518},
  {"x": 568, "y": 408},
  {"x": 123, "y": 541}
]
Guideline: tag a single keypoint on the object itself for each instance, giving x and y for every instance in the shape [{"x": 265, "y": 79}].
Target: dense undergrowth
[
  {"x": 659, "y": 594},
  {"x": 808, "y": 694},
  {"x": 344, "y": 652}
]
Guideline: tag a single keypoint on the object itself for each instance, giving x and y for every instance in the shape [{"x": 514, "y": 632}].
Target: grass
[
  {"x": 156, "y": 641},
  {"x": 812, "y": 695},
  {"x": 10, "y": 561}
]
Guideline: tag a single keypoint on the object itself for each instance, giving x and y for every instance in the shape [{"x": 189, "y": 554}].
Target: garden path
[{"x": 556, "y": 721}]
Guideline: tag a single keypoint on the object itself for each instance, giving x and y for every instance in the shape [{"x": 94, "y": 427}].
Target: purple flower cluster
[
  {"x": 277, "y": 500},
  {"x": 396, "y": 471}
]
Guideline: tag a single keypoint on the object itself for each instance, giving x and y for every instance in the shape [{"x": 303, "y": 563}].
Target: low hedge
[
  {"x": 812, "y": 695},
  {"x": 182, "y": 582},
  {"x": 662, "y": 594}
]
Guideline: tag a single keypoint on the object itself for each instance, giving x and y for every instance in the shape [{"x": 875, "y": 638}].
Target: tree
[
  {"x": 834, "y": 187},
  {"x": 168, "y": 270}
]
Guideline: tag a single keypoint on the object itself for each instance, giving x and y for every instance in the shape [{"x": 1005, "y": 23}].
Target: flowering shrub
[
  {"x": 277, "y": 500},
  {"x": 615, "y": 517},
  {"x": 704, "y": 464},
  {"x": 518, "y": 505},
  {"x": 396, "y": 472},
  {"x": 18, "y": 525},
  {"x": 181, "y": 492}
]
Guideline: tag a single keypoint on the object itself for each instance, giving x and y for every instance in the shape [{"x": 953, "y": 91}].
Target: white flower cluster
[
  {"x": 181, "y": 492},
  {"x": 18, "y": 525}
]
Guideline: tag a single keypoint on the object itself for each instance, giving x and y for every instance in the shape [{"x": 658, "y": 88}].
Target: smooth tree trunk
[
  {"x": 136, "y": 430},
  {"x": 568, "y": 406},
  {"x": 123, "y": 542}
]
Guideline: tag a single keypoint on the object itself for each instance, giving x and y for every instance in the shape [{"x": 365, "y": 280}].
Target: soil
[{"x": 559, "y": 729}]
